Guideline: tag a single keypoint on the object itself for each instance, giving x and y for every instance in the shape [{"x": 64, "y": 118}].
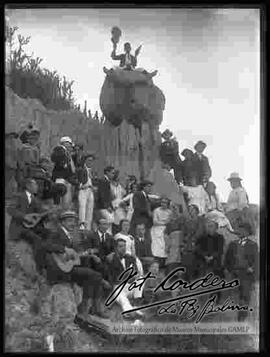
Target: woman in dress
[
  {"x": 118, "y": 192},
  {"x": 161, "y": 217},
  {"x": 129, "y": 201}
]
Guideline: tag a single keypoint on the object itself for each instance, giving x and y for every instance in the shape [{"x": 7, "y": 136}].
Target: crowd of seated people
[{"x": 102, "y": 227}]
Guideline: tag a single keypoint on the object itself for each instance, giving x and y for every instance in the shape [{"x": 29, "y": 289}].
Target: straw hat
[{"x": 234, "y": 176}]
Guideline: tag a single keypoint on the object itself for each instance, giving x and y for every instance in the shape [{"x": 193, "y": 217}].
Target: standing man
[
  {"x": 64, "y": 169},
  {"x": 241, "y": 260},
  {"x": 86, "y": 193},
  {"x": 201, "y": 164},
  {"x": 142, "y": 206},
  {"x": 104, "y": 196},
  {"x": 238, "y": 202}
]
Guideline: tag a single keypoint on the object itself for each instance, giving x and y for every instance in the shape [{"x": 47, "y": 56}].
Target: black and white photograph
[{"x": 133, "y": 170}]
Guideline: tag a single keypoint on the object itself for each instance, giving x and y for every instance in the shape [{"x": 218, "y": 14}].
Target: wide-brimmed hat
[
  {"x": 67, "y": 214},
  {"x": 167, "y": 132},
  {"x": 234, "y": 176},
  {"x": 186, "y": 151},
  {"x": 66, "y": 139},
  {"x": 200, "y": 142}
]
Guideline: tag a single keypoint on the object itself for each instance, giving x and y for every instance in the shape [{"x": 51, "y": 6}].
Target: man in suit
[
  {"x": 89, "y": 279},
  {"x": 104, "y": 196},
  {"x": 117, "y": 263},
  {"x": 201, "y": 164},
  {"x": 142, "y": 206},
  {"x": 241, "y": 261},
  {"x": 143, "y": 246},
  {"x": 102, "y": 240}
]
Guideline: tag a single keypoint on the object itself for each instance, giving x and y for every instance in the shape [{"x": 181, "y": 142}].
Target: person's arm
[
  {"x": 114, "y": 56},
  {"x": 242, "y": 199}
]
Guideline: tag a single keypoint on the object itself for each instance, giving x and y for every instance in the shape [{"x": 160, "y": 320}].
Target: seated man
[
  {"x": 63, "y": 264},
  {"x": 117, "y": 263},
  {"x": 127, "y": 61},
  {"x": 143, "y": 245},
  {"x": 23, "y": 206}
]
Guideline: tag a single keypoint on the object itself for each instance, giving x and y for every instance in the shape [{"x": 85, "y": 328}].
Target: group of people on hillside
[{"x": 111, "y": 227}]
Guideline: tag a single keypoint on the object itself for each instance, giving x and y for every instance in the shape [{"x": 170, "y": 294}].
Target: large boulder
[{"x": 131, "y": 96}]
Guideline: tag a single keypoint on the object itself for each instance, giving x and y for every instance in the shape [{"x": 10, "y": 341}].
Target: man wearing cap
[
  {"x": 241, "y": 261},
  {"x": 64, "y": 169},
  {"x": 201, "y": 164},
  {"x": 63, "y": 242},
  {"x": 237, "y": 201},
  {"x": 86, "y": 193},
  {"x": 169, "y": 154},
  {"x": 142, "y": 206}
]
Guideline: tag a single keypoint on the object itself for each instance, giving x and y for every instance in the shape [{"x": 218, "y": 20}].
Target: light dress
[{"x": 160, "y": 218}]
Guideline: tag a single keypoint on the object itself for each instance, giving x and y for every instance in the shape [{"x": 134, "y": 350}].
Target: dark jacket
[
  {"x": 169, "y": 152},
  {"x": 142, "y": 210},
  {"x": 56, "y": 243},
  {"x": 208, "y": 245},
  {"x": 104, "y": 249},
  {"x": 17, "y": 210},
  {"x": 104, "y": 195},
  {"x": 115, "y": 267},
  {"x": 201, "y": 168},
  {"x": 188, "y": 171},
  {"x": 62, "y": 166},
  {"x": 143, "y": 248},
  {"x": 122, "y": 58},
  {"x": 82, "y": 175},
  {"x": 239, "y": 258}
]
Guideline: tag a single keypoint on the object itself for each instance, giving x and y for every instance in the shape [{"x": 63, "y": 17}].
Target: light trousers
[
  {"x": 124, "y": 296},
  {"x": 86, "y": 207}
]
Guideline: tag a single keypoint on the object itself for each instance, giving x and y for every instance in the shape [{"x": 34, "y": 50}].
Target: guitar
[
  {"x": 33, "y": 219},
  {"x": 66, "y": 261}
]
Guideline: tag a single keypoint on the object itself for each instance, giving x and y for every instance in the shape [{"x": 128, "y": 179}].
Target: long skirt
[{"x": 158, "y": 241}]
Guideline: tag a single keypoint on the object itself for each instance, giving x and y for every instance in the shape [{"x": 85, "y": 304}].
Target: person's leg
[
  {"x": 89, "y": 209},
  {"x": 245, "y": 290},
  {"x": 67, "y": 198},
  {"x": 82, "y": 198}
]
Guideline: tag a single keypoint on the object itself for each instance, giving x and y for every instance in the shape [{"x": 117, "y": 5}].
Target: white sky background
[{"x": 208, "y": 62}]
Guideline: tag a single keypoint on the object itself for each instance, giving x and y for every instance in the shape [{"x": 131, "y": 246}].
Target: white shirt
[
  {"x": 237, "y": 199},
  {"x": 89, "y": 179},
  {"x": 128, "y": 59},
  {"x": 197, "y": 196},
  {"x": 123, "y": 262},
  {"x": 130, "y": 245},
  {"x": 29, "y": 196}
]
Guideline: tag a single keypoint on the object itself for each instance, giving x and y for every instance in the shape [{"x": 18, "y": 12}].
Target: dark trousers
[
  {"x": 89, "y": 280},
  {"x": 35, "y": 240},
  {"x": 244, "y": 291}
]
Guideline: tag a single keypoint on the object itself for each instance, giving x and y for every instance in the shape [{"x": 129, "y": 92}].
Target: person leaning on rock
[{"x": 201, "y": 164}]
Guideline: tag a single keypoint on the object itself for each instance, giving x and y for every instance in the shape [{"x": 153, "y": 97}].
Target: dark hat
[
  {"x": 12, "y": 133},
  {"x": 88, "y": 154},
  {"x": 146, "y": 183},
  {"x": 167, "y": 132},
  {"x": 67, "y": 214},
  {"x": 186, "y": 151},
  {"x": 200, "y": 142}
]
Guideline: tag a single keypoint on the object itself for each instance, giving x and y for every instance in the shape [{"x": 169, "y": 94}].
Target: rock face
[
  {"x": 128, "y": 95},
  {"x": 130, "y": 149}
]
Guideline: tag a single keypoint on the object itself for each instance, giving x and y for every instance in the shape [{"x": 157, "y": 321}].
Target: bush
[{"x": 27, "y": 79}]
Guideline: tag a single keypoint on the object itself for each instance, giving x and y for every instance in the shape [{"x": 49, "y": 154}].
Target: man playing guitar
[{"x": 65, "y": 264}]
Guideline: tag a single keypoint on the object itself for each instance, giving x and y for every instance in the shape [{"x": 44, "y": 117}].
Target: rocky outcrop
[{"x": 128, "y": 95}]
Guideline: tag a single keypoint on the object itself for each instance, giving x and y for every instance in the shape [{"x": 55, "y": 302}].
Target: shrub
[{"x": 27, "y": 79}]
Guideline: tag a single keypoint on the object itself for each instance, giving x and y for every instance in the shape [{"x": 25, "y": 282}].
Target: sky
[{"x": 208, "y": 63}]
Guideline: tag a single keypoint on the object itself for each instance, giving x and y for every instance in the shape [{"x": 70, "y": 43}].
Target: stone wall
[{"x": 130, "y": 150}]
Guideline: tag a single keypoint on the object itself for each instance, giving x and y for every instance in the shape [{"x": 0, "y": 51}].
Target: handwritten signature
[{"x": 208, "y": 284}]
